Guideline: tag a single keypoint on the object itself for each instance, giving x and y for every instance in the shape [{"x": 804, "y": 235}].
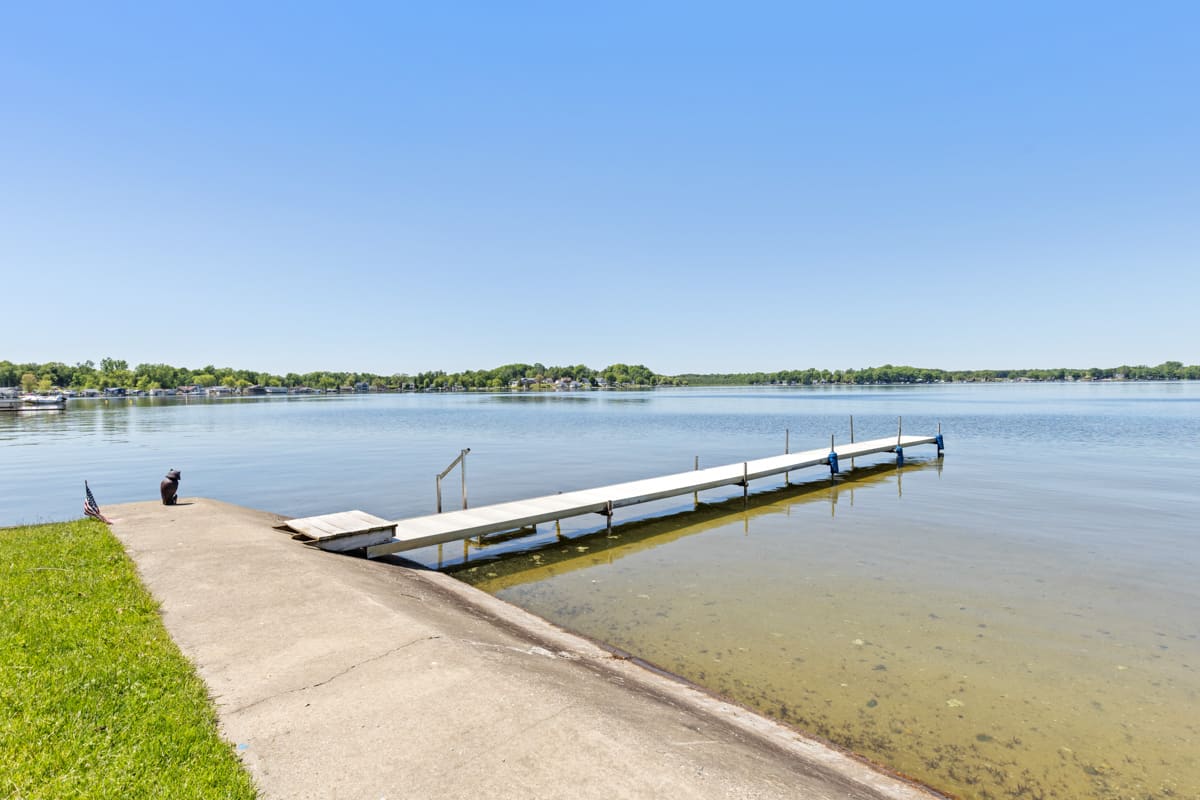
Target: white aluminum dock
[
  {"x": 410, "y": 534},
  {"x": 346, "y": 530}
]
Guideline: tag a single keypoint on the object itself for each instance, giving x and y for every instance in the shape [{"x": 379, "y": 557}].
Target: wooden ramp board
[
  {"x": 345, "y": 530},
  {"x": 438, "y": 528}
]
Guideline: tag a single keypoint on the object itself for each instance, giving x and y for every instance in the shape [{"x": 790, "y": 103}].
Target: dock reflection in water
[
  {"x": 549, "y": 556},
  {"x": 910, "y": 637}
]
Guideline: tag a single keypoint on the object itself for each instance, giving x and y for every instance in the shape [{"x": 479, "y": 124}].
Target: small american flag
[{"x": 90, "y": 508}]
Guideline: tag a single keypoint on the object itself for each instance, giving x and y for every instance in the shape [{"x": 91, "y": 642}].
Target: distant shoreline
[{"x": 115, "y": 376}]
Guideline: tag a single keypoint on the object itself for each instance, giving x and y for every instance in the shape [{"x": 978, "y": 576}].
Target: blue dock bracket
[
  {"x": 899, "y": 450},
  {"x": 833, "y": 458},
  {"x": 941, "y": 445}
]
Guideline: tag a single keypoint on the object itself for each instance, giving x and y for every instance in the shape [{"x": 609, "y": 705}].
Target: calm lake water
[{"x": 1018, "y": 619}]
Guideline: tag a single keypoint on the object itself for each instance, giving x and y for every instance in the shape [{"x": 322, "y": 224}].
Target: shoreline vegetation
[
  {"x": 116, "y": 373},
  {"x": 99, "y": 701}
]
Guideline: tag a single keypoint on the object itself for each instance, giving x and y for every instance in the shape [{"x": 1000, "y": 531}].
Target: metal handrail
[{"x": 460, "y": 459}]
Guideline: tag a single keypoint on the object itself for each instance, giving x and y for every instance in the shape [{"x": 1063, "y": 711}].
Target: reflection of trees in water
[
  {"x": 540, "y": 397},
  {"x": 112, "y": 418}
]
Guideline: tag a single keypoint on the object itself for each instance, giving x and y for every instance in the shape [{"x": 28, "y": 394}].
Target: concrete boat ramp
[
  {"x": 340, "y": 677},
  {"x": 356, "y": 530}
]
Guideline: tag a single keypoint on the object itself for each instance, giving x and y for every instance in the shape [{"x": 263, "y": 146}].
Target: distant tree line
[
  {"x": 113, "y": 372},
  {"x": 1169, "y": 370}
]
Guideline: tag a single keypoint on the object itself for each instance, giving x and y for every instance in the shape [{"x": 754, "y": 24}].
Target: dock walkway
[{"x": 417, "y": 532}]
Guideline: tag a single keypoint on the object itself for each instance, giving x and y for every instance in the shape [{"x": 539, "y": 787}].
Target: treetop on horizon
[{"x": 116, "y": 372}]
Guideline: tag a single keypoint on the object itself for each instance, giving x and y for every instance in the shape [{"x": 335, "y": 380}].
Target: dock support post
[
  {"x": 696, "y": 495},
  {"x": 833, "y": 459},
  {"x": 941, "y": 446},
  {"x": 787, "y": 449},
  {"x": 607, "y": 511},
  {"x": 746, "y": 483},
  {"x": 899, "y": 449},
  {"x": 851, "y": 438}
]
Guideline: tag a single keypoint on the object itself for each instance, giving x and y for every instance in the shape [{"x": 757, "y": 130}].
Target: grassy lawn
[{"x": 95, "y": 699}]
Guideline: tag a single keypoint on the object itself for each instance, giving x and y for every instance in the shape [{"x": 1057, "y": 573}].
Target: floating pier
[{"x": 410, "y": 534}]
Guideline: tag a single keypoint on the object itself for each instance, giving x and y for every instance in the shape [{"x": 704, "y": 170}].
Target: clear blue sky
[{"x": 397, "y": 187}]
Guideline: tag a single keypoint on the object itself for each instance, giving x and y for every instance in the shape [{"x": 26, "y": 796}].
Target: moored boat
[
  {"x": 9, "y": 400},
  {"x": 40, "y": 402}
]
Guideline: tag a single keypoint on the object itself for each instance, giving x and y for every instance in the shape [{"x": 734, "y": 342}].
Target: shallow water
[{"x": 1020, "y": 619}]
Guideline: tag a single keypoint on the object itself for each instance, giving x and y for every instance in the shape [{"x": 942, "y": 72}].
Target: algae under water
[{"x": 997, "y": 625}]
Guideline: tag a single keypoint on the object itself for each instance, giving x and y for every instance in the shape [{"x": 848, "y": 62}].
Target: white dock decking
[
  {"x": 345, "y": 530},
  {"x": 410, "y": 534}
]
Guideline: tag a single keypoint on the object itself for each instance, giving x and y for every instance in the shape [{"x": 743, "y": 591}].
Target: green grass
[{"x": 96, "y": 701}]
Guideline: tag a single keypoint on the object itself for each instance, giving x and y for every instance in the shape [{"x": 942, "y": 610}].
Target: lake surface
[{"x": 1018, "y": 619}]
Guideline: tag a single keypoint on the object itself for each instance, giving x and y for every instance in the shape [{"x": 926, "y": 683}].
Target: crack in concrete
[{"x": 334, "y": 676}]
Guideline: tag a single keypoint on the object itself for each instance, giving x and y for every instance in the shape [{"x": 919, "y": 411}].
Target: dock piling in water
[{"x": 787, "y": 449}]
